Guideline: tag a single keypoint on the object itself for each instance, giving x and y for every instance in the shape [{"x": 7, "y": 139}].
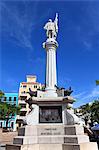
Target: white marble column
[{"x": 51, "y": 74}]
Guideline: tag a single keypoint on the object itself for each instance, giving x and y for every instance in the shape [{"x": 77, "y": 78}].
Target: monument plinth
[{"x": 50, "y": 124}]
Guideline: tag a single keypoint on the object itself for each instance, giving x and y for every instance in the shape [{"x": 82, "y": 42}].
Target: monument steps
[
  {"x": 58, "y": 139},
  {"x": 67, "y": 146}
]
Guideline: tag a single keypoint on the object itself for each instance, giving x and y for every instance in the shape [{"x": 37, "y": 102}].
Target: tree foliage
[
  {"x": 8, "y": 111},
  {"x": 1, "y": 94},
  {"x": 90, "y": 111},
  {"x": 95, "y": 111}
]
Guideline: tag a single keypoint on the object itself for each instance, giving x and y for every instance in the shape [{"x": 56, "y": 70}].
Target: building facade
[
  {"x": 31, "y": 82},
  {"x": 10, "y": 98}
]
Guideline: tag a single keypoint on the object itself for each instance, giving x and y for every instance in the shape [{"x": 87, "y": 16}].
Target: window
[
  {"x": 5, "y": 98},
  {"x": 19, "y": 124},
  {"x": 24, "y": 86},
  {"x": 14, "y": 98},
  {"x": 9, "y": 98},
  {"x": 12, "y": 125},
  {"x": 0, "y": 124},
  {"x": 23, "y": 105},
  {"x": 23, "y": 113},
  {"x": 23, "y": 92},
  {"x": 35, "y": 86},
  {"x": 23, "y": 97}
]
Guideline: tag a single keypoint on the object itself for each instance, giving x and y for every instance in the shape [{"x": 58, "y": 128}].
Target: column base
[
  {"x": 68, "y": 146},
  {"x": 50, "y": 93}
]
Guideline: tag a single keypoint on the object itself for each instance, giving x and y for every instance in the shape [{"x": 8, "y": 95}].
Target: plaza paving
[
  {"x": 6, "y": 138},
  {"x": 2, "y": 147}
]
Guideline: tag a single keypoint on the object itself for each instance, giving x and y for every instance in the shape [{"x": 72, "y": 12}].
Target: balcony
[
  {"x": 20, "y": 117},
  {"x": 21, "y": 102},
  {"x": 23, "y": 109}
]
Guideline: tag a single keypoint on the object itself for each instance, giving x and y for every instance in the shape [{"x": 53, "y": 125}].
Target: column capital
[{"x": 50, "y": 43}]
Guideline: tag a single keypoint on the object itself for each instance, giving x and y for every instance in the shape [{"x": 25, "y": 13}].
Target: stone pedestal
[
  {"x": 51, "y": 127},
  {"x": 51, "y": 137},
  {"x": 50, "y": 110}
]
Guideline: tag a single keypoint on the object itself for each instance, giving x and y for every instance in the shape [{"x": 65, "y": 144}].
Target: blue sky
[{"x": 22, "y": 35}]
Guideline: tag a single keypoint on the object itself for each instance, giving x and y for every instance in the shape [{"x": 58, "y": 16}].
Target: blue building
[{"x": 11, "y": 98}]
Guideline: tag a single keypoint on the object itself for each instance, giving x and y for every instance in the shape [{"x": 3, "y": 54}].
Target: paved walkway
[
  {"x": 2, "y": 147},
  {"x": 6, "y": 138}
]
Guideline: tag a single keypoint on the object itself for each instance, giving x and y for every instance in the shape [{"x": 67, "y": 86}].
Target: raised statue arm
[{"x": 56, "y": 22}]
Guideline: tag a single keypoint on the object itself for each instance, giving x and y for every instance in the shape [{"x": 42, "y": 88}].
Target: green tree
[
  {"x": 86, "y": 112},
  {"x": 1, "y": 94},
  {"x": 90, "y": 112},
  {"x": 8, "y": 111},
  {"x": 95, "y": 111}
]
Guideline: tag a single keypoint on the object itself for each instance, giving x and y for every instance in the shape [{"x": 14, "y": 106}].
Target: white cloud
[
  {"x": 79, "y": 95},
  {"x": 93, "y": 94},
  {"x": 18, "y": 23},
  {"x": 88, "y": 45},
  {"x": 11, "y": 81},
  {"x": 86, "y": 97},
  {"x": 17, "y": 27}
]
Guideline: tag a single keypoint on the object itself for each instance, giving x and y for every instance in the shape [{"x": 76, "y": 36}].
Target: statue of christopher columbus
[{"x": 52, "y": 28}]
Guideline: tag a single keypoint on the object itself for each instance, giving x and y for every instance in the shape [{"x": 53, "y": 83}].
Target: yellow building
[{"x": 31, "y": 83}]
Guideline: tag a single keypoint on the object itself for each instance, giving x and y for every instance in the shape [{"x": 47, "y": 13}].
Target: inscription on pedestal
[{"x": 51, "y": 131}]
